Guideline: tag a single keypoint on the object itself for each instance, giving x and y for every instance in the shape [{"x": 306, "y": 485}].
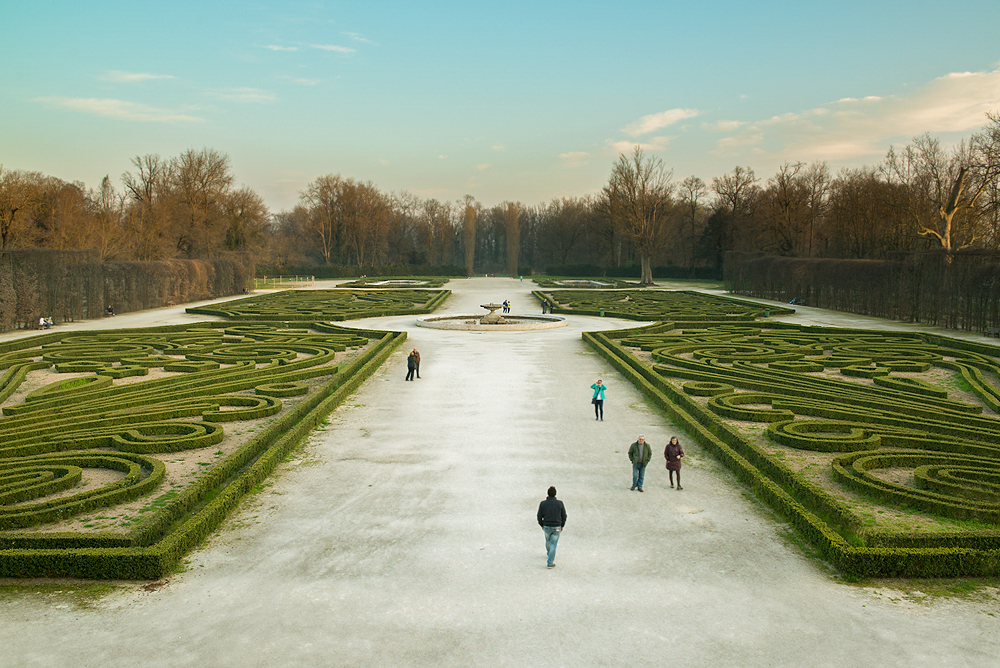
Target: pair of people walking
[
  {"x": 639, "y": 453},
  {"x": 412, "y": 364}
]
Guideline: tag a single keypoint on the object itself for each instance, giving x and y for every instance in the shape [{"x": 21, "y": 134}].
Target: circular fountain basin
[{"x": 512, "y": 323}]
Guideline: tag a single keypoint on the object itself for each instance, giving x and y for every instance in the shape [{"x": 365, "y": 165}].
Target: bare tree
[
  {"x": 201, "y": 180},
  {"x": 512, "y": 215},
  {"x": 786, "y": 209},
  {"x": 17, "y": 197},
  {"x": 638, "y": 196},
  {"x": 945, "y": 186},
  {"x": 469, "y": 234},
  {"x": 246, "y": 216},
  {"x": 109, "y": 220},
  {"x": 692, "y": 191},
  {"x": 817, "y": 179},
  {"x": 321, "y": 199},
  {"x": 365, "y": 214},
  {"x": 738, "y": 194},
  {"x": 146, "y": 216}
]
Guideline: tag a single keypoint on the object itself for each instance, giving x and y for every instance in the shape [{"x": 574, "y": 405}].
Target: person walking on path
[
  {"x": 552, "y": 519},
  {"x": 411, "y": 366},
  {"x": 416, "y": 356},
  {"x": 673, "y": 453},
  {"x": 639, "y": 453},
  {"x": 598, "y": 399}
]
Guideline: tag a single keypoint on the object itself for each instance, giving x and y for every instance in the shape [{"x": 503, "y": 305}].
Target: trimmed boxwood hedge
[
  {"x": 46, "y": 442},
  {"x": 308, "y": 306},
  {"x": 662, "y": 305},
  {"x": 951, "y": 446}
]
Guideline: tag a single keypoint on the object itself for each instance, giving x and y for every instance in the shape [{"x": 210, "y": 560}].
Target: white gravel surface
[{"x": 404, "y": 534}]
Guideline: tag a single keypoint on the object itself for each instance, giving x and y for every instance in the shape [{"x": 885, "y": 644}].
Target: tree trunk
[{"x": 647, "y": 270}]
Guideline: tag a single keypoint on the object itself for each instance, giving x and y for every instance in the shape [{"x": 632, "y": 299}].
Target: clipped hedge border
[
  {"x": 229, "y": 309},
  {"x": 156, "y": 545},
  {"x": 776, "y": 486}
]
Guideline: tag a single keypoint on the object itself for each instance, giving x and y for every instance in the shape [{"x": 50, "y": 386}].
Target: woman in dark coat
[{"x": 673, "y": 453}]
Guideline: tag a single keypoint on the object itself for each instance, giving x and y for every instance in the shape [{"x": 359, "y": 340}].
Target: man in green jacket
[{"x": 639, "y": 453}]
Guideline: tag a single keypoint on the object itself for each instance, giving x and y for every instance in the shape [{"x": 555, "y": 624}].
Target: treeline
[{"x": 920, "y": 197}]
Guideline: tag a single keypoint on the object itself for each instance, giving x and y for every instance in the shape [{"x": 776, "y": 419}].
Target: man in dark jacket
[
  {"x": 411, "y": 366},
  {"x": 639, "y": 453},
  {"x": 552, "y": 519}
]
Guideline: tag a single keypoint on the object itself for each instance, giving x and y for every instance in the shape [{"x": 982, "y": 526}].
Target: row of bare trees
[
  {"x": 921, "y": 196},
  {"x": 186, "y": 207}
]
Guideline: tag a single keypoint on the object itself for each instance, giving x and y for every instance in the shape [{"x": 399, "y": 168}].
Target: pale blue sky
[{"x": 514, "y": 100}]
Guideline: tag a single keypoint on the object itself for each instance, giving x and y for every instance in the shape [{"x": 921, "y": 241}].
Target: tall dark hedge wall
[
  {"x": 958, "y": 291},
  {"x": 74, "y": 285}
]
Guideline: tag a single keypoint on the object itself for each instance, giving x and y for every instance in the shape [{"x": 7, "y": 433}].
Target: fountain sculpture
[{"x": 493, "y": 321}]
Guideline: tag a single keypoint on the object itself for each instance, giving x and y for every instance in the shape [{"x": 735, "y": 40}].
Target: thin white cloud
[
  {"x": 334, "y": 47},
  {"x": 120, "y": 76},
  {"x": 723, "y": 126},
  {"x": 483, "y": 166},
  {"x": 358, "y": 37},
  {"x": 276, "y": 47},
  {"x": 653, "y": 122},
  {"x": 574, "y": 158},
  {"x": 245, "y": 95},
  {"x": 654, "y": 144},
  {"x": 499, "y": 148},
  {"x": 729, "y": 145},
  {"x": 118, "y": 109},
  {"x": 862, "y": 128}
]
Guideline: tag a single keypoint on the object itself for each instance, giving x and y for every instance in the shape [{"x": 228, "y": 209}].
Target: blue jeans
[
  {"x": 551, "y": 539},
  {"x": 638, "y": 475}
]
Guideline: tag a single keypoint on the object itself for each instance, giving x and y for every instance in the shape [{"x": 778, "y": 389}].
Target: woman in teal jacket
[{"x": 598, "y": 400}]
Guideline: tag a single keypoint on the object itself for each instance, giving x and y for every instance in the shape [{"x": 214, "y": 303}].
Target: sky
[{"x": 519, "y": 101}]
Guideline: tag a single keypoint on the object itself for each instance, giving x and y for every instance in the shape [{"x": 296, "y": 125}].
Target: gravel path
[{"x": 403, "y": 534}]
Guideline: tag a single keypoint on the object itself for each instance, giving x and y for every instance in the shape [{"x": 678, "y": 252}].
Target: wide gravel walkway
[{"x": 404, "y": 534}]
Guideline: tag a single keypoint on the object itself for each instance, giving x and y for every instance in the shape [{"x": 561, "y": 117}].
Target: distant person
[
  {"x": 411, "y": 366},
  {"x": 673, "y": 453},
  {"x": 416, "y": 357},
  {"x": 552, "y": 519},
  {"x": 598, "y": 399},
  {"x": 110, "y": 310},
  {"x": 44, "y": 323},
  {"x": 543, "y": 306},
  {"x": 639, "y": 453}
]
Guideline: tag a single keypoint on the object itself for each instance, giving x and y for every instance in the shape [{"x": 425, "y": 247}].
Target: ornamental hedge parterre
[
  {"x": 836, "y": 427},
  {"x": 161, "y": 430},
  {"x": 583, "y": 283},
  {"x": 387, "y": 282},
  {"x": 665, "y": 305},
  {"x": 326, "y": 305}
]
